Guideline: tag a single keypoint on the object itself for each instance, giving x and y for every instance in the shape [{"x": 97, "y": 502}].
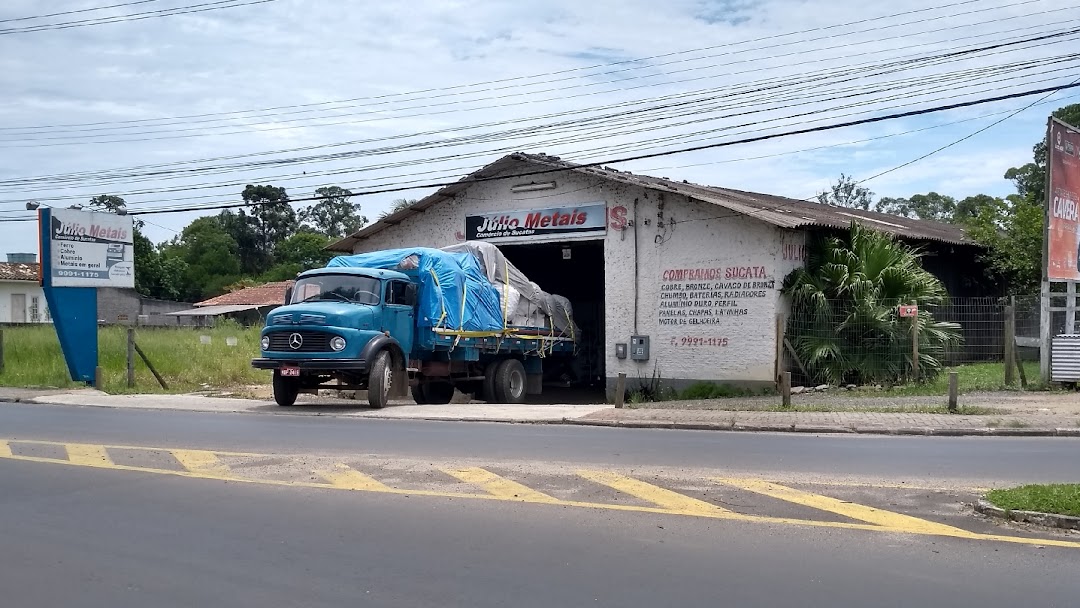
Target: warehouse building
[{"x": 667, "y": 279}]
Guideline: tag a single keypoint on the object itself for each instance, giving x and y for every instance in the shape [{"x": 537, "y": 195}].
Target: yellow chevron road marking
[
  {"x": 202, "y": 461},
  {"x": 347, "y": 478},
  {"x": 654, "y": 494},
  {"x": 202, "y": 466},
  {"x": 498, "y": 486},
  {"x": 85, "y": 454},
  {"x": 872, "y": 515}
]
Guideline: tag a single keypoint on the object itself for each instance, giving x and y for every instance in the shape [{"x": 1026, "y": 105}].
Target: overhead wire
[
  {"x": 184, "y": 10},
  {"x": 443, "y": 90},
  {"x": 73, "y": 12},
  {"x": 887, "y": 86},
  {"x": 383, "y": 115}
]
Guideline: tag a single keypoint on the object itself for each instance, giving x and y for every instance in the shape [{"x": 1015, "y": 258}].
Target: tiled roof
[
  {"x": 13, "y": 271},
  {"x": 269, "y": 294},
  {"x": 776, "y": 210}
]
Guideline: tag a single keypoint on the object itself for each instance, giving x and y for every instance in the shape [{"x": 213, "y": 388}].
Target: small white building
[
  {"x": 21, "y": 297},
  {"x": 667, "y": 279}
]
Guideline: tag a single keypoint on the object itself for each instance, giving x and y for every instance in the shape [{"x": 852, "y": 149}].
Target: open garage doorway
[{"x": 574, "y": 270}]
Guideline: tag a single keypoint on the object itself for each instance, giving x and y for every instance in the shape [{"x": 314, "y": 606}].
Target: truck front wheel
[
  {"x": 285, "y": 389},
  {"x": 380, "y": 379},
  {"x": 510, "y": 382}
]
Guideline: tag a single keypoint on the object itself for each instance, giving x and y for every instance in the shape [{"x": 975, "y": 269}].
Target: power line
[
  {"x": 637, "y": 157},
  {"x": 798, "y": 101},
  {"x": 443, "y": 90},
  {"x": 910, "y": 113},
  {"x": 962, "y": 139},
  {"x": 244, "y": 128},
  {"x": 169, "y": 12},
  {"x": 81, "y": 10}
]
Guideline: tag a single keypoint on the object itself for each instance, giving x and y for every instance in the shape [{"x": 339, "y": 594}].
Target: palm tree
[
  {"x": 844, "y": 323},
  {"x": 395, "y": 206}
]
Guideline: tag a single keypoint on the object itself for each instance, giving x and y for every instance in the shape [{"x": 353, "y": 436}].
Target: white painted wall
[
  {"x": 32, "y": 290},
  {"x": 672, "y": 233}
]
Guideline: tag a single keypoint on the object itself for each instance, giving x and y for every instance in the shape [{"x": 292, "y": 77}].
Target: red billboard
[{"x": 1063, "y": 210}]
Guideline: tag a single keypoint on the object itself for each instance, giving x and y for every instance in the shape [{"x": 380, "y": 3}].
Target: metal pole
[
  {"x": 915, "y": 347},
  {"x": 99, "y": 378},
  {"x": 620, "y": 389},
  {"x": 1010, "y": 345},
  {"x": 954, "y": 389},
  {"x": 130, "y": 358},
  {"x": 785, "y": 389}
]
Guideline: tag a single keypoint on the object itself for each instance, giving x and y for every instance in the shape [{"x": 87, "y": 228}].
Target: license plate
[{"x": 290, "y": 371}]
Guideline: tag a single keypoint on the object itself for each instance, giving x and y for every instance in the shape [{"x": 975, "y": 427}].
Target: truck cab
[{"x": 352, "y": 326}]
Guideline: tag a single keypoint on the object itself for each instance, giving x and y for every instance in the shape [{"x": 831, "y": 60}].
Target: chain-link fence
[{"x": 863, "y": 342}]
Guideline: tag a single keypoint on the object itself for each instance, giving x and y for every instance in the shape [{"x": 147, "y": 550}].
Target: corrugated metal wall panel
[{"x": 1065, "y": 358}]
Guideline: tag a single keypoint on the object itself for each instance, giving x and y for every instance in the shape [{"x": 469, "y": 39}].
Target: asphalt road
[
  {"x": 86, "y": 536},
  {"x": 975, "y": 460}
]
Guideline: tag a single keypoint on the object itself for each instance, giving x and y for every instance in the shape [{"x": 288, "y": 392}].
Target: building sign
[
  {"x": 700, "y": 305},
  {"x": 908, "y": 311},
  {"x": 91, "y": 249},
  {"x": 582, "y": 219},
  {"x": 1063, "y": 204}
]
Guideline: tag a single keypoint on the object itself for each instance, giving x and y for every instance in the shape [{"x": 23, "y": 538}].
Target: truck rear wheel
[
  {"x": 380, "y": 379},
  {"x": 510, "y": 382},
  {"x": 285, "y": 389},
  {"x": 487, "y": 387}
]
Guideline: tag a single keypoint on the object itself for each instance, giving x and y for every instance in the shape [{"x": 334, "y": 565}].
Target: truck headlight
[
  {"x": 265, "y": 342},
  {"x": 337, "y": 343}
]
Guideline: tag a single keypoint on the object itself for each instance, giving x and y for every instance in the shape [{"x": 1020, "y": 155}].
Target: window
[
  {"x": 336, "y": 288},
  {"x": 400, "y": 293},
  {"x": 35, "y": 310}
]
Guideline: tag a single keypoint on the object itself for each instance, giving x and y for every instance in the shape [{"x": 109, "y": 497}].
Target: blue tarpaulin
[{"x": 454, "y": 290}]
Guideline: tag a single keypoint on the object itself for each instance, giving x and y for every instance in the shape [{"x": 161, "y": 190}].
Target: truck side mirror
[{"x": 288, "y": 294}]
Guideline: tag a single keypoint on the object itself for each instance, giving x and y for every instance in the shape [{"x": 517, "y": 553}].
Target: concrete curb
[
  {"x": 730, "y": 425},
  {"x": 1050, "y": 520},
  {"x": 831, "y": 430}
]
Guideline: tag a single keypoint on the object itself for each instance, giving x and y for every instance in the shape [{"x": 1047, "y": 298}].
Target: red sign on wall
[{"x": 909, "y": 310}]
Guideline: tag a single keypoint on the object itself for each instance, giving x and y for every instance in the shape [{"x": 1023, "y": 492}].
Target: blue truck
[{"x": 419, "y": 320}]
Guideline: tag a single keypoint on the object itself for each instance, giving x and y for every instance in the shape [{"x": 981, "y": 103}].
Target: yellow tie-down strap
[{"x": 497, "y": 334}]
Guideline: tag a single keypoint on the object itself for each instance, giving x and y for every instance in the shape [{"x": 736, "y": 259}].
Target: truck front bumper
[{"x": 352, "y": 365}]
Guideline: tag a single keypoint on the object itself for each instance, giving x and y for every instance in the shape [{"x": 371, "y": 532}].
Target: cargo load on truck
[{"x": 472, "y": 287}]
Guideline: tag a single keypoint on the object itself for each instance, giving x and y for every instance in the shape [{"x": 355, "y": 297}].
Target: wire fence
[{"x": 863, "y": 342}]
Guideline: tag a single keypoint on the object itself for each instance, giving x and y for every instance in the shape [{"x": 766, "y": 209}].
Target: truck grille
[{"x": 310, "y": 341}]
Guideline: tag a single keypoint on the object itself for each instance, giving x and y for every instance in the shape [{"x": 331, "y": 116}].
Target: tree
[
  {"x": 107, "y": 202},
  {"x": 844, "y": 322},
  {"x": 274, "y": 216},
  {"x": 395, "y": 206},
  {"x": 930, "y": 206},
  {"x": 157, "y": 276},
  {"x": 1011, "y": 230},
  {"x": 245, "y": 230},
  {"x": 333, "y": 215},
  {"x": 1030, "y": 179},
  {"x": 301, "y": 251},
  {"x": 210, "y": 256},
  {"x": 846, "y": 192}
]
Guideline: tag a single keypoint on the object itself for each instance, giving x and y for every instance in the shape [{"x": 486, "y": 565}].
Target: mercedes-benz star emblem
[{"x": 296, "y": 341}]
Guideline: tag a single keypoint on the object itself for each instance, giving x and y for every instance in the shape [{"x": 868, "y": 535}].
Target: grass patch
[
  {"x": 32, "y": 358},
  {"x": 974, "y": 377},
  {"x": 1062, "y": 499}
]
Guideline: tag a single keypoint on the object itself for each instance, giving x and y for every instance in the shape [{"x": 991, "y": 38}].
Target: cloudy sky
[{"x": 172, "y": 105}]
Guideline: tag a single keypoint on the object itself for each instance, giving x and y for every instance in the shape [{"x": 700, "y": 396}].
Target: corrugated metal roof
[
  {"x": 213, "y": 311},
  {"x": 776, "y": 210},
  {"x": 269, "y": 294},
  {"x": 16, "y": 271}
]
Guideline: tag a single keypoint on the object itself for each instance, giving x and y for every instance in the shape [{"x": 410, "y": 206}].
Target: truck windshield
[{"x": 336, "y": 288}]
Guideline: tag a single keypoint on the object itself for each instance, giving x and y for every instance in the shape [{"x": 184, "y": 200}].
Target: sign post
[
  {"x": 81, "y": 251},
  {"x": 1061, "y": 241},
  {"x": 911, "y": 311}
]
